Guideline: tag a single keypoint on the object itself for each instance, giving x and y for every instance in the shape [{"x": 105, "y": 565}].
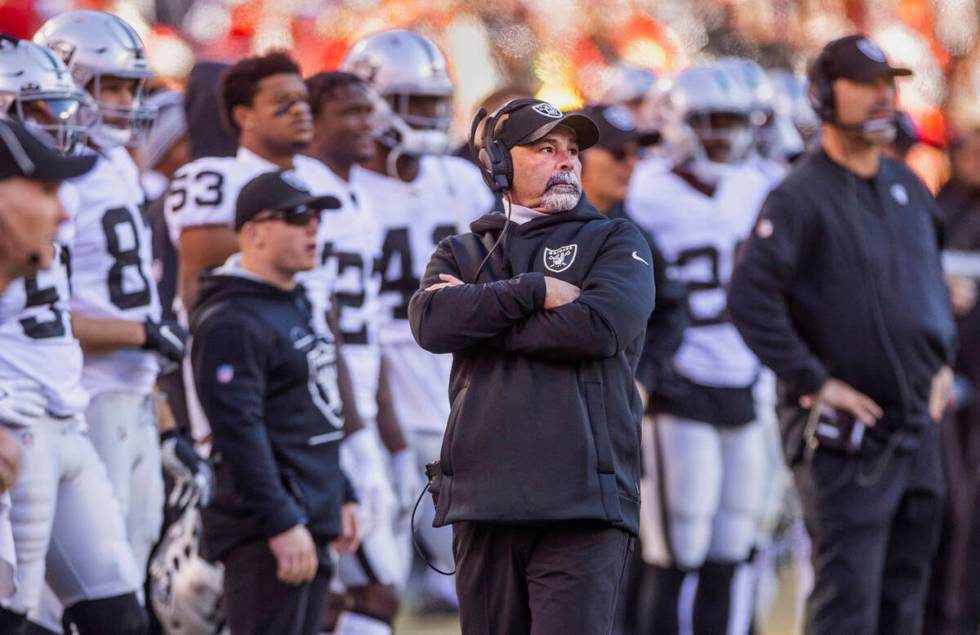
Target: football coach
[
  {"x": 840, "y": 291},
  {"x": 544, "y": 309}
]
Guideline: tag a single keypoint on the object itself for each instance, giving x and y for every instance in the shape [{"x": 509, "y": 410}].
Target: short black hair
[
  {"x": 322, "y": 86},
  {"x": 241, "y": 81}
]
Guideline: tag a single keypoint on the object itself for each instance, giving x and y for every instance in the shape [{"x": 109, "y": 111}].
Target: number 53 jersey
[
  {"x": 699, "y": 236},
  {"x": 111, "y": 269}
]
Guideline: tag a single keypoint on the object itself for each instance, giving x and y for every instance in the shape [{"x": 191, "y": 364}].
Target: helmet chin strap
[{"x": 108, "y": 137}]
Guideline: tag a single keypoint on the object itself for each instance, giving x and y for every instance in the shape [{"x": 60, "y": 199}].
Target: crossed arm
[{"x": 536, "y": 315}]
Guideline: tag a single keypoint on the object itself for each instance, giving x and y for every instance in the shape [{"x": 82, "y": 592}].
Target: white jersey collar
[{"x": 248, "y": 157}]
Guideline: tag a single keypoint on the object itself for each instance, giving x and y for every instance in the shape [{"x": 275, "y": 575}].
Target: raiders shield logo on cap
[
  {"x": 559, "y": 259},
  {"x": 547, "y": 110}
]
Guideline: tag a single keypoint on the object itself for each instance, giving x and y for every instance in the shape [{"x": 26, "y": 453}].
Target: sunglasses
[
  {"x": 627, "y": 151},
  {"x": 300, "y": 215}
]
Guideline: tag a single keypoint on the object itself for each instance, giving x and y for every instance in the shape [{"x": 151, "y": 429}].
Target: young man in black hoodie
[
  {"x": 540, "y": 462},
  {"x": 268, "y": 385}
]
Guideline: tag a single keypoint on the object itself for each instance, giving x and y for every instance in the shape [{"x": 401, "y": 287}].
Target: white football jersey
[
  {"x": 444, "y": 198},
  {"x": 348, "y": 244},
  {"x": 699, "y": 237},
  {"x": 112, "y": 269},
  {"x": 36, "y": 339}
]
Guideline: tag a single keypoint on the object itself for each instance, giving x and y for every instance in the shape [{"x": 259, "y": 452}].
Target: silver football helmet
[
  {"x": 401, "y": 64},
  {"x": 705, "y": 117},
  {"x": 777, "y": 136},
  {"x": 37, "y": 89},
  {"x": 93, "y": 45},
  {"x": 790, "y": 98},
  {"x": 186, "y": 589}
]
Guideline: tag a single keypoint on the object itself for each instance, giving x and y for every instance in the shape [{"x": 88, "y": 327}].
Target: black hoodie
[
  {"x": 545, "y": 417},
  {"x": 268, "y": 386}
]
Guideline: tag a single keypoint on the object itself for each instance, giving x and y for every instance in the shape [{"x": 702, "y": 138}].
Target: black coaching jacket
[
  {"x": 842, "y": 278},
  {"x": 268, "y": 385},
  {"x": 545, "y": 418}
]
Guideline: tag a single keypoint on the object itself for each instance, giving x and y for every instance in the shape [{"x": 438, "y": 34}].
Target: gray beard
[{"x": 560, "y": 201}]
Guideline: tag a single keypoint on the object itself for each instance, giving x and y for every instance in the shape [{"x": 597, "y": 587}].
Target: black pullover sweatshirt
[
  {"x": 268, "y": 385},
  {"x": 545, "y": 417},
  {"x": 842, "y": 278}
]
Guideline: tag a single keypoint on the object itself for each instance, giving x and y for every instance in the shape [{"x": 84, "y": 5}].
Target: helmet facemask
[
  {"x": 121, "y": 125},
  {"x": 62, "y": 119}
]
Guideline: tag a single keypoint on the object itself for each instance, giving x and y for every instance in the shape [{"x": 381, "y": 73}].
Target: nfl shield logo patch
[
  {"x": 559, "y": 259},
  {"x": 226, "y": 372}
]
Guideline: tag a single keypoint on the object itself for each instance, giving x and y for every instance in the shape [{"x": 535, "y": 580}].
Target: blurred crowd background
[{"x": 575, "y": 51}]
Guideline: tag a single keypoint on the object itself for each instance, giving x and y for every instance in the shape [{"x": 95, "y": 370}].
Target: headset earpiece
[
  {"x": 494, "y": 157},
  {"x": 821, "y": 89}
]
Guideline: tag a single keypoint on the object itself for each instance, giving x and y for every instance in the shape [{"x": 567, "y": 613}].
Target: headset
[
  {"x": 493, "y": 158},
  {"x": 495, "y": 163},
  {"x": 821, "y": 90},
  {"x": 821, "y": 96}
]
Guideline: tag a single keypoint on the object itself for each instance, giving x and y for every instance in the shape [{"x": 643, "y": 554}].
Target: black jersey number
[
  {"x": 348, "y": 298},
  {"x": 114, "y": 219},
  {"x": 211, "y": 196},
  {"x": 397, "y": 244},
  {"x": 55, "y": 327},
  {"x": 708, "y": 255}
]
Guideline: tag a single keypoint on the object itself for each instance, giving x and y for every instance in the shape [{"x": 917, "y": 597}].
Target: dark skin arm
[
  {"x": 201, "y": 248},
  {"x": 352, "y": 418},
  {"x": 389, "y": 428}
]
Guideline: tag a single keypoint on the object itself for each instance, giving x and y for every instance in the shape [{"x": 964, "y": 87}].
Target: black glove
[
  {"x": 192, "y": 474},
  {"x": 167, "y": 338}
]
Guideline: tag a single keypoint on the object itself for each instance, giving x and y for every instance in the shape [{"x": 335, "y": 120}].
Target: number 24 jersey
[{"x": 699, "y": 236}]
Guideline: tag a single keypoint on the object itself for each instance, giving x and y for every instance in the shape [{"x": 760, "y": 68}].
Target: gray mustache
[{"x": 563, "y": 178}]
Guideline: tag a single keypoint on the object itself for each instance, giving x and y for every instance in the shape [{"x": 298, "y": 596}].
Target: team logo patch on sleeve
[
  {"x": 559, "y": 259},
  {"x": 225, "y": 373},
  {"x": 900, "y": 194}
]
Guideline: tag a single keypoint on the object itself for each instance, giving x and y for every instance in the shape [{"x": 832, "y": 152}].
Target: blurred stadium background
[{"x": 570, "y": 51}]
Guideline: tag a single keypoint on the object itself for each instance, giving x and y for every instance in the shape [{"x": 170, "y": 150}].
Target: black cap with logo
[
  {"x": 532, "y": 122},
  {"x": 25, "y": 155},
  {"x": 857, "y": 58},
  {"x": 617, "y": 128},
  {"x": 273, "y": 191}
]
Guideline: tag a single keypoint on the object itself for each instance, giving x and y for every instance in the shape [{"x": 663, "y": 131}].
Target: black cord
[
  {"x": 510, "y": 207},
  {"x": 415, "y": 542}
]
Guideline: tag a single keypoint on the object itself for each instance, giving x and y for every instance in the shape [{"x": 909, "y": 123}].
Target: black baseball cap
[
  {"x": 281, "y": 190},
  {"x": 25, "y": 155},
  {"x": 537, "y": 118},
  {"x": 857, "y": 58},
  {"x": 617, "y": 128}
]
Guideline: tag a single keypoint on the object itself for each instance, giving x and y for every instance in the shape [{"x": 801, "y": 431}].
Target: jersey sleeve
[{"x": 202, "y": 192}]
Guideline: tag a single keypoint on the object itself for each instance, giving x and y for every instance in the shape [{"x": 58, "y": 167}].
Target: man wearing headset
[
  {"x": 539, "y": 471},
  {"x": 840, "y": 291}
]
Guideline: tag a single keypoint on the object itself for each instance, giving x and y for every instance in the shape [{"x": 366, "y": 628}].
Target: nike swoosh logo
[{"x": 637, "y": 257}]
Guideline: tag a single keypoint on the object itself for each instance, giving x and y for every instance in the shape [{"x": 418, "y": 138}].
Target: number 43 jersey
[
  {"x": 112, "y": 269},
  {"x": 699, "y": 236},
  {"x": 36, "y": 339}
]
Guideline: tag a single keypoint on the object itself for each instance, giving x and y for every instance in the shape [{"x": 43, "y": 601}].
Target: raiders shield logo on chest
[{"x": 560, "y": 258}]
